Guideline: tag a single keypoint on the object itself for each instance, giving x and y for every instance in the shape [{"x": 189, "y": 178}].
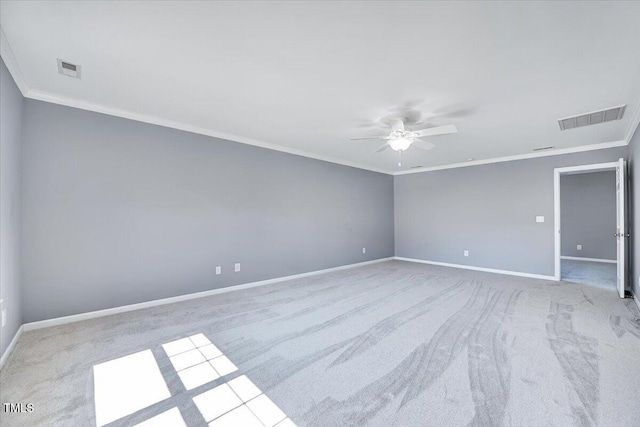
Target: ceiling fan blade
[
  {"x": 423, "y": 145},
  {"x": 370, "y": 137},
  {"x": 440, "y": 130},
  {"x": 381, "y": 149}
]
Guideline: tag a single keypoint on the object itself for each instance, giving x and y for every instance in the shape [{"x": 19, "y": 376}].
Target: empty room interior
[
  {"x": 281, "y": 213},
  {"x": 588, "y": 227}
]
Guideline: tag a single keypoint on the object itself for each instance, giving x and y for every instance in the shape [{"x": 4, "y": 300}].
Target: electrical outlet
[
  {"x": 579, "y": 247},
  {"x": 237, "y": 267},
  {"x": 466, "y": 253},
  {"x": 540, "y": 219},
  {"x": 218, "y": 270},
  {"x": 364, "y": 250}
]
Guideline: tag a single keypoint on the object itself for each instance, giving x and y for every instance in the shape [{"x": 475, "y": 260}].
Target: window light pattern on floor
[
  {"x": 235, "y": 403},
  {"x": 170, "y": 418},
  {"x": 128, "y": 384},
  {"x": 197, "y": 361},
  {"x": 240, "y": 403}
]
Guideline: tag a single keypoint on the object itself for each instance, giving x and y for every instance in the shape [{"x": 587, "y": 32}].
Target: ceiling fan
[{"x": 400, "y": 138}]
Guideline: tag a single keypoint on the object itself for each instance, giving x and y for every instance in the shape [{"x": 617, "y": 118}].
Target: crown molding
[
  {"x": 14, "y": 69},
  {"x": 633, "y": 125},
  {"x": 635, "y": 122},
  {"x": 557, "y": 152},
  {"x": 90, "y": 106},
  {"x": 12, "y": 64},
  {"x": 145, "y": 118}
]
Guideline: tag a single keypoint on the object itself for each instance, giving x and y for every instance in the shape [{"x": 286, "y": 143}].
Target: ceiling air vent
[
  {"x": 68, "y": 69},
  {"x": 593, "y": 118}
]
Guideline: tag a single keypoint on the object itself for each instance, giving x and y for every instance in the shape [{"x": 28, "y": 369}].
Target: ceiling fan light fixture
[{"x": 400, "y": 143}]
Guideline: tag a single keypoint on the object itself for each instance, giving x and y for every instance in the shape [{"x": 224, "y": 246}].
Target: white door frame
[{"x": 597, "y": 167}]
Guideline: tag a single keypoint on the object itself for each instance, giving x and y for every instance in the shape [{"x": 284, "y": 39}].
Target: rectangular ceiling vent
[
  {"x": 68, "y": 69},
  {"x": 593, "y": 118}
]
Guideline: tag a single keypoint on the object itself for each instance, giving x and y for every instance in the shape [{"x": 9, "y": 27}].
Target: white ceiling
[{"x": 307, "y": 76}]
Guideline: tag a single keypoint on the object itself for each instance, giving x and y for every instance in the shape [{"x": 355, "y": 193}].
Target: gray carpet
[
  {"x": 592, "y": 273},
  {"x": 393, "y": 343}
]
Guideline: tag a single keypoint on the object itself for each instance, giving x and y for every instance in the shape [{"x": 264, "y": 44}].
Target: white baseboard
[
  {"x": 470, "y": 267},
  {"x": 125, "y": 308},
  {"x": 11, "y": 346},
  {"x": 577, "y": 258}
]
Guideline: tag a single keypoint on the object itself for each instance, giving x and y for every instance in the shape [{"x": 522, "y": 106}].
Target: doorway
[{"x": 590, "y": 225}]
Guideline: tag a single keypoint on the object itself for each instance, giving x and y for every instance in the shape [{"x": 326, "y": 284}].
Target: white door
[{"x": 621, "y": 234}]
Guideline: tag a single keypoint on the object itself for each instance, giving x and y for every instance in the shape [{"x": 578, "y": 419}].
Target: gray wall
[
  {"x": 489, "y": 210},
  {"x": 118, "y": 212},
  {"x": 11, "y": 116},
  {"x": 588, "y": 207},
  {"x": 634, "y": 211}
]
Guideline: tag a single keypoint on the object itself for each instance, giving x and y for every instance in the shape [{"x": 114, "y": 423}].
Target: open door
[{"x": 621, "y": 225}]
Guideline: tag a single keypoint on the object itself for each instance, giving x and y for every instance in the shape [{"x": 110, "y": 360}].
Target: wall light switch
[
  {"x": 466, "y": 253},
  {"x": 364, "y": 250},
  {"x": 4, "y": 317},
  {"x": 579, "y": 247},
  {"x": 540, "y": 219},
  {"x": 237, "y": 267},
  {"x": 218, "y": 270}
]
